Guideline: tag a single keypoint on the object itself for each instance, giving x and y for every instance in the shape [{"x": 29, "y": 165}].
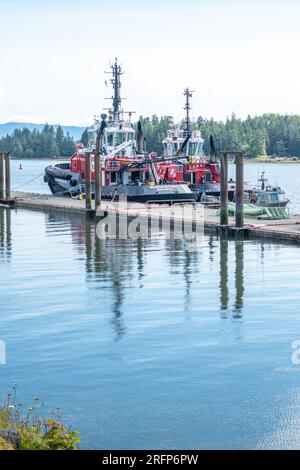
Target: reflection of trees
[{"x": 5, "y": 234}]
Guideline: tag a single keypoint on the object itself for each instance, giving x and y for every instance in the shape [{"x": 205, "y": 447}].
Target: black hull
[
  {"x": 62, "y": 182},
  {"x": 211, "y": 189},
  {"x": 59, "y": 189}
]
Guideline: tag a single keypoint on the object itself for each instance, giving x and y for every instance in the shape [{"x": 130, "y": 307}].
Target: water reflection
[
  {"x": 117, "y": 262},
  {"x": 114, "y": 260},
  {"x": 238, "y": 276},
  {"x": 224, "y": 290},
  {"x": 141, "y": 246},
  {"x": 5, "y": 235}
]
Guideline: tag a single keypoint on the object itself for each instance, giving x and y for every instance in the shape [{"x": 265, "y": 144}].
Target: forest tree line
[
  {"x": 45, "y": 143},
  {"x": 269, "y": 134}
]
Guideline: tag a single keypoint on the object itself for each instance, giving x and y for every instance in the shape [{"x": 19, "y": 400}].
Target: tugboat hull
[
  {"x": 210, "y": 189},
  {"x": 63, "y": 182}
]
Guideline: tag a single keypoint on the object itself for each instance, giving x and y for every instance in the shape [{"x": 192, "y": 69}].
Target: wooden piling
[
  {"x": 239, "y": 191},
  {"x": 224, "y": 190},
  {"x": 98, "y": 173},
  {"x": 1, "y": 176},
  {"x": 7, "y": 176},
  {"x": 88, "y": 192}
]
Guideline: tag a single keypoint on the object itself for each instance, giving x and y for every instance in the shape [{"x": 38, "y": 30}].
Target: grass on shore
[
  {"x": 35, "y": 431},
  {"x": 5, "y": 445}
]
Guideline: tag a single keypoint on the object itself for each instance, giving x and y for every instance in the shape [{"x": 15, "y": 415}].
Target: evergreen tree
[
  {"x": 84, "y": 138},
  {"x": 59, "y": 139},
  {"x": 268, "y": 134}
]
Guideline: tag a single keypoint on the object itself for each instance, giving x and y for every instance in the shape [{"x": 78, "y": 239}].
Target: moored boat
[
  {"x": 266, "y": 195},
  {"x": 126, "y": 169},
  {"x": 202, "y": 174}
]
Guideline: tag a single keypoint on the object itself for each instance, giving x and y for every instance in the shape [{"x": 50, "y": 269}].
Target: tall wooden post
[
  {"x": 88, "y": 193},
  {"x": 1, "y": 177},
  {"x": 7, "y": 176},
  {"x": 224, "y": 190},
  {"x": 239, "y": 191},
  {"x": 98, "y": 172}
]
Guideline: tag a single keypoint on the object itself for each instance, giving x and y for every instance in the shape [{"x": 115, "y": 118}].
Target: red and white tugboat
[
  {"x": 126, "y": 168},
  {"x": 201, "y": 174}
]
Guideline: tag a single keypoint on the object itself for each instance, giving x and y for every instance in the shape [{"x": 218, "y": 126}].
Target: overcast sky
[{"x": 239, "y": 56}]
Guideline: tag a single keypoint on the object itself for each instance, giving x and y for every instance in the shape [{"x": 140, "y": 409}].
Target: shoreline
[
  {"x": 271, "y": 162},
  {"x": 246, "y": 161}
]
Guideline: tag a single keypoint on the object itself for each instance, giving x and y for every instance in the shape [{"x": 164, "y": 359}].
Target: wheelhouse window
[
  {"x": 120, "y": 137},
  {"x": 113, "y": 177},
  {"x": 170, "y": 149},
  {"x": 110, "y": 139}
]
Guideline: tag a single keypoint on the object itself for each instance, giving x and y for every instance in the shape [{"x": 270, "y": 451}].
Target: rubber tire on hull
[{"x": 54, "y": 171}]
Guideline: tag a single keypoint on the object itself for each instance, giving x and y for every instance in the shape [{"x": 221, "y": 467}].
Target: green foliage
[
  {"x": 84, "y": 138},
  {"x": 155, "y": 130},
  {"x": 269, "y": 134},
  {"x": 55, "y": 436},
  {"x": 36, "y": 431},
  {"x": 47, "y": 143}
]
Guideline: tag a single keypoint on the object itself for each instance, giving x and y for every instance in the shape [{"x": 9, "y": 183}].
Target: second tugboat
[
  {"x": 126, "y": 171},
  {"x": 201, "y": 174}
]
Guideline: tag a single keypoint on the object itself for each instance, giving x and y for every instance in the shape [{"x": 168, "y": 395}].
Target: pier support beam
[
  {"x": 1, "y": 176},
  {"x": 224, "y": 190},
  {"x": 88, "y": 192},
  {"x": 239, "y": 191},
  {"x": 98, "y": 172},
  {"x": 7, "y": 176}
]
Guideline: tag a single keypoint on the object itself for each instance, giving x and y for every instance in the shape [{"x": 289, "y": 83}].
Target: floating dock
[{"x": 285, "y": 229}]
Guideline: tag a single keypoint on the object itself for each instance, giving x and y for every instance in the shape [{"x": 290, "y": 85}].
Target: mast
[
  {"x": 116, "y": 73},
  {"x": 188, "y": 94}
]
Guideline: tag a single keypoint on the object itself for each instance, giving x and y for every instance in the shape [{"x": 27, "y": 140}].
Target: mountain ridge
[{"x": 9, "y": 127}]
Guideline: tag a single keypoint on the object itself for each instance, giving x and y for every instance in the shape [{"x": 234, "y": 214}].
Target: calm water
[
  {"x": 285, "y": 175},
  {"x": 146, "y": 345}
]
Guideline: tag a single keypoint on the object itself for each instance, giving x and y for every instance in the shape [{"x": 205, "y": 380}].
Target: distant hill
[{"x": 9, "y": 127}]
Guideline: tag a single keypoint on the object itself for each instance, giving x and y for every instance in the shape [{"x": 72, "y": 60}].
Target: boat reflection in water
[
  {"x": 122, "y": 262},
  {"x": 134, "y": 336}
]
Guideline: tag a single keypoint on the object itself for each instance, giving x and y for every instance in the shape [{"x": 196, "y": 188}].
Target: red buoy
[{"x": 20, "y": 166}]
